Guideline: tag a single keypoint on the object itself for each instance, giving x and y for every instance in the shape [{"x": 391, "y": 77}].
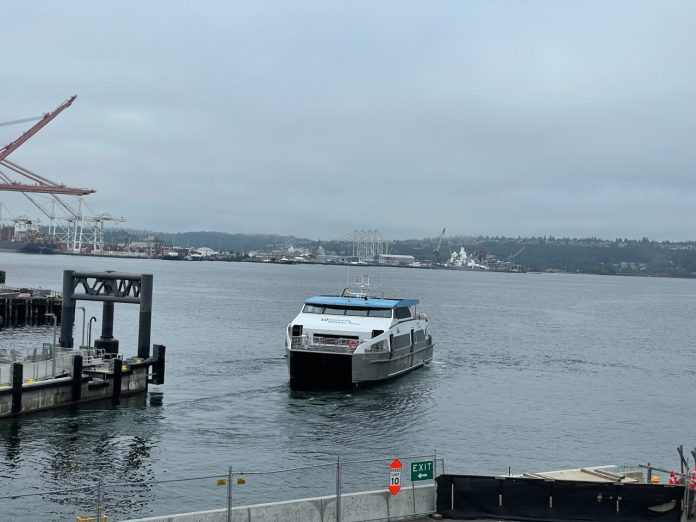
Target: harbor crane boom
[
  {"x": 14, "y": 145},
  {"x": 436, "y": 250},
  {"x": 41, "y": 184},
  {"x": 517, "y": 253}
]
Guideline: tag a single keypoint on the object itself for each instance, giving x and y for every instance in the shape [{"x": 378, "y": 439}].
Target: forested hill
[
  {"x": 589, "y": 255},
  {"x": 592, "y": 255}
]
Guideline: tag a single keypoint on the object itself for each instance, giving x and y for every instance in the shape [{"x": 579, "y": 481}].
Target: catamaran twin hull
[{"x": 315, "y": 369}]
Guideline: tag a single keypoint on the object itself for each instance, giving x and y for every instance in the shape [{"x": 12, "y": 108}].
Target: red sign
[{"x": 395, "y": 476}]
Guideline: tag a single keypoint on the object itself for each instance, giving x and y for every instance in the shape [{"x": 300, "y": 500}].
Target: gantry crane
[
  {"x": 73, "y": 232},
  {"x": 77, "y": 228},
  {"x": 511, "y": 258}
]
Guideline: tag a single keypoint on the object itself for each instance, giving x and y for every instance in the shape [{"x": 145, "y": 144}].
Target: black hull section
[
  {"x": 23, "y": 247},
  {"x": 313, "y": 370}
]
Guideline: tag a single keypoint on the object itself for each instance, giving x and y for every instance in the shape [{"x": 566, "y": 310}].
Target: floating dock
[{"x": 61, "y": 374}]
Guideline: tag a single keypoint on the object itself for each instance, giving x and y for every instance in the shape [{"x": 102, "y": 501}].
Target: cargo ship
[{"x": 25, "y": 238}]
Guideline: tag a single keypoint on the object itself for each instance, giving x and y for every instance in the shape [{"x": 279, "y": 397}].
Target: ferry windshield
[{"x": 347, "y": 310}]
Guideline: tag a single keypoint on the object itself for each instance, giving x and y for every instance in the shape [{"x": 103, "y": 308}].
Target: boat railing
[
  {"x": 338, "y": 344},
  {"x": 323, "y": 344},
  {"x": 362, "y": 286},
  {"x": 421, "y": 316}
]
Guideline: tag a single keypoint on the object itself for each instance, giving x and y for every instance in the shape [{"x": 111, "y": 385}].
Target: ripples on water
[{"x": 531, "y": 371}]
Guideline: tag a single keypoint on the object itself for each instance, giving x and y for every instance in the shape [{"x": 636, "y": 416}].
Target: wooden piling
[{"x": 27, "y": 311}]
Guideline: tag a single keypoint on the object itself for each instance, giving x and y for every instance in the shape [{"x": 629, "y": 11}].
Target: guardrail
[
  {"x": 336, "y": 345},
  {"x": 39, "y": 365},
  {"x": 37, "y": 370},
  {"x": 33, "y": 292},
  {"x": 326, "y": 344}
]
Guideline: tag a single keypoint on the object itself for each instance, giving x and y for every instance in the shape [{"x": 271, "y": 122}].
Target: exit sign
[{"x": 422, "y": 470}]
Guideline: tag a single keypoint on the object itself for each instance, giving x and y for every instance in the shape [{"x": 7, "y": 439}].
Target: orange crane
[{"x": 41, "y": 184}]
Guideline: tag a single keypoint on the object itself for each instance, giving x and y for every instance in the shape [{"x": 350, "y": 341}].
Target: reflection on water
[
  {"x": 75, "y": 448},
  {"x": 11, "y": 440},
  {"x": 76, "y": 444}
]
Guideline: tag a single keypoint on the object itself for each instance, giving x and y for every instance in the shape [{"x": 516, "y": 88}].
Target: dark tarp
[{"x": 465, "y": 497}]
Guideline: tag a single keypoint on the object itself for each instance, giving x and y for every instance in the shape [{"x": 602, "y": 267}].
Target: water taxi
[{"x": 354, "y": 338}]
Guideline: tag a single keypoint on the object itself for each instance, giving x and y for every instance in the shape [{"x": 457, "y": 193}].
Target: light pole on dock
[
  {"x": 84, "y": 311},
  {"x": 53, "y": 346},
  {"x": 89, "y": 331}
]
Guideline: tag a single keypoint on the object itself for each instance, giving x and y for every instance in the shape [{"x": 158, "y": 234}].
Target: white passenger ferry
[{"x": 353, "y": 338}]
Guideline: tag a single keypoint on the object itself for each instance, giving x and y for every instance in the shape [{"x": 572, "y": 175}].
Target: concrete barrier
[{"x": 377, "y": 506}]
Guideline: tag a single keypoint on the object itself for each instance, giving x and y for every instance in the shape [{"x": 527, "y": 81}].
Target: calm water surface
[{"x": 531, "y": 371}]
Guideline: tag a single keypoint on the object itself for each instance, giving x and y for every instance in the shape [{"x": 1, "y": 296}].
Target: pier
[
  {"x": 60, "y": 374},
  {"x": 28, "y": 306}
]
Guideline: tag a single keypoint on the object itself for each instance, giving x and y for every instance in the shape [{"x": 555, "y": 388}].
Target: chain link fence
[
  {"x": 117, "y": 501},
  {"x": 344, "y": 491}
]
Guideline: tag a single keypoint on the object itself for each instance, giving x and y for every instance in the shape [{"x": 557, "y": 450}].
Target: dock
[
  {"x": 28, "y": 306},
  {"x": 60, "y": 374}
]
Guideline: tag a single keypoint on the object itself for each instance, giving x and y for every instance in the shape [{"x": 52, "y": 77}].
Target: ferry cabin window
[
  {"x": 402, "y": 341},
  {"x": 403, "y": 313},
  {"x": 354, "y": 312},
  {"x": 357, "y": 312}
]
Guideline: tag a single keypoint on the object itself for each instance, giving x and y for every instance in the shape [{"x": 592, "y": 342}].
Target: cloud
[{"x": 315, "y": 118}]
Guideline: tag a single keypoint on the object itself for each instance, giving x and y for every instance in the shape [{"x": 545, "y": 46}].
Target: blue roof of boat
[{"x": 370, "y": 302}]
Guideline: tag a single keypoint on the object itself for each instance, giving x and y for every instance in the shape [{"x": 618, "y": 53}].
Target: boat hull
[
  {"x": 26, "y": 247},
  {"x": 322, "y": 370},
  {"x": 380, "y": 366},
  {"x": 310, "y": 370}
]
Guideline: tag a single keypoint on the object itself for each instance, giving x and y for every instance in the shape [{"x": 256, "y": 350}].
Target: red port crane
[{"x": 41, "y": 184}]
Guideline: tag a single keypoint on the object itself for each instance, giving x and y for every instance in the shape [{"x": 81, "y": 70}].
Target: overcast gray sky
[{"x": 315, "y": 118}]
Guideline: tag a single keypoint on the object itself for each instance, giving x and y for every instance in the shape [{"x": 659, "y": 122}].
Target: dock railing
[
  {"x": 345, "y": 491},
  {"x": 38, "y": 363},
  {"x": 33, "y": 292}
]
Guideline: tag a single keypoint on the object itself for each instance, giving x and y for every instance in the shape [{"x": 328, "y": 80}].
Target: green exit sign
[{"x": 422, "y": 470}]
